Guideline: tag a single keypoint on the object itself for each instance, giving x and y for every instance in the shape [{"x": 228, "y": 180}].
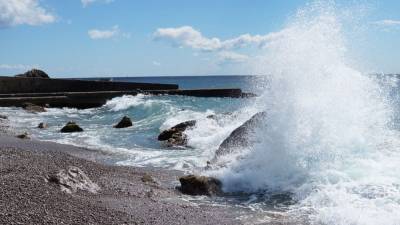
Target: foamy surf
[
  {"x": 329, "y": 140},
  {"x": 138, "y": 145}
]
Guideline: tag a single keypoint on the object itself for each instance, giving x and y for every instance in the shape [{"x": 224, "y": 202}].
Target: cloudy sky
[{"x": 82, "y": 38}]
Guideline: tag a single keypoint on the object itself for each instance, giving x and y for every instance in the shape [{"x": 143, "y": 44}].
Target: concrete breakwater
[
  {"x": 15, "y": 91},
  {"x": 10, "y": 85}
]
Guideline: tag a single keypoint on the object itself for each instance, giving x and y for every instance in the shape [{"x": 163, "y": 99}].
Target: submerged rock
[
  {"x": 71, "y": 127},
  {"x": 200, "y": 185},
  {"x": 23, "y": 136},
  {"x": 72, "y": 180},
  {"x": 34, "y": 73},
  {"x": 42, "y": 125},
  {"x": 125, "y": 122},
  {"x": 241, "y": 136},
  {"x": 30, "y": 107},
  {"x": 175, "y": 136}
]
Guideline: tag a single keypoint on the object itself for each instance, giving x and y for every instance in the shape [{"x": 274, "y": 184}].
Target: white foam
[
  {"x": 128, "y": 101},
  {"x": 328, "y": 138}
]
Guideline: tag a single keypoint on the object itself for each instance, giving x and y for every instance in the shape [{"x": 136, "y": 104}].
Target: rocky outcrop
[
  {"x": 72, "y": 180},
  {"x": 175, "y": 136},
  {"x": 30, "y": 107},
  {"x": 125, "y": 122},
  {"x": 42, "y": 125},
  {"x": 34, "y": 73},
  {"x": 71, "y": 127},
  {"x": 200, "y": 185},
  {"x": 241, "y": 136}
]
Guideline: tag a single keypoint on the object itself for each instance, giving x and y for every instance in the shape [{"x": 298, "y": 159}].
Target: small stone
[
  {"x": 147, "y": 178},
  {"x": 23, "y": 136},
  {"x": 42, "y": 125}
]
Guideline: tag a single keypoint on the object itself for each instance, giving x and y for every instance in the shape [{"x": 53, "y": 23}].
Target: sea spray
[{"x": 328, "y": 138}]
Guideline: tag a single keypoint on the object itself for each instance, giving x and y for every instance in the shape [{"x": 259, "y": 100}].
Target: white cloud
[
  {"x": 231, "y": 57},
  {"x": 189, "y": 37},
  {"x": 387, "y": 22},
  {"x": 156, "y": 63},
  {"x": 107, "y": 34},
  {"x": 89, "y": 2},
  {"x": 18, "y": 12}
]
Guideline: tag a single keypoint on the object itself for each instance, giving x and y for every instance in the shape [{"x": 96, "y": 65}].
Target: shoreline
[{"x": 128, "y": 195}]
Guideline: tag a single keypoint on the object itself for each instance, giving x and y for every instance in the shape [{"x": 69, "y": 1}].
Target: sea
[{"x": 328, "y": 151}]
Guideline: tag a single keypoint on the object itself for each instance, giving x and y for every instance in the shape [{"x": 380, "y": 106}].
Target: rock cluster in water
[{"x": 175, "y": 136}]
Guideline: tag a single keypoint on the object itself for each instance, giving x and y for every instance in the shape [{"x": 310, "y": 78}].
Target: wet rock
[
  {"x": 212, "y": 116},
  {"x": 175, "y": 136},
  {"x": 200, "y": 185},
  {"x": 71, "y": 127},
  {"x": 72, "y": 180},
  {"x": 34, "y": 73},
  {"x": 23, "y": 136},
  {"x": 30, "y": 107},
  {"x": 42, "y": 125},
  {"x": 125, "y": 122},
  {"x": 241, "y": 136}
]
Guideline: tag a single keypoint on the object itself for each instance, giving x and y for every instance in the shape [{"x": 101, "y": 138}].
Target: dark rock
[
  {"x": 35, "y": 73},
  {"x": 175, "y": 136},
  {"x": 212, "y": 116},
  {"x": 42, "y": 125},
  {"x": 240, "y": 137},
  {"x": 23, "y": 136},
  {"x": 3, "y": 117},
  {"x": 125, "y": 122},
  {"x": 33, "y": 108},
  {"x": 71, "y": 127},
  {"x": 72, "y": 180},
  {"x": 200, "y": 185}
]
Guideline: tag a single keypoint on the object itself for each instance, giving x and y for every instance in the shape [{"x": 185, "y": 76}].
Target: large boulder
[
  {"x": 71, "y": 127},
  {"x": 241, "y": 137},
  {"x": 175, "y": 136},
  {"x": 72, "y": 180},
  {"x": 34, "y": 73},
  {"x": 125, "y": 122},
  {"x": 200, "y": 185},
  {"x": 30, "y": 107}
]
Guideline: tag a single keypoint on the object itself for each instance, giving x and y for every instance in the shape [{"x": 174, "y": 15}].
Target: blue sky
[{"x": 82, "y": 38}]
